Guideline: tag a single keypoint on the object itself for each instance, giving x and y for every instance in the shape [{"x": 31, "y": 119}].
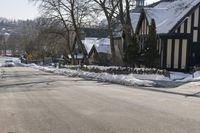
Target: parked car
[{"x": 9, "y": 63}]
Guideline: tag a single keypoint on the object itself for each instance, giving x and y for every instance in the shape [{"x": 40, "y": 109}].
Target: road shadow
[{"x": 26, "y": 83}]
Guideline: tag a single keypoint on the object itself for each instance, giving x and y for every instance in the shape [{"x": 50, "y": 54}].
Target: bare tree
[
  {"x": 72, "y": 13},
  {"x": 125, "y": 20},
  {"x": 25, "y": 33},
  {"x": 51, "y": 32},
  {"x": 2, "y": 42},
  {"x": 110, "y": 10},
  {"x": 13, "y": 44}
]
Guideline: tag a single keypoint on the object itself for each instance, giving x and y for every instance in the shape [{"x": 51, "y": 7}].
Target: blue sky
[{"x": 22, "y": 9}]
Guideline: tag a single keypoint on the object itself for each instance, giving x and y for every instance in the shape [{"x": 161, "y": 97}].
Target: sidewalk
[{"x": 185, "y": 89}]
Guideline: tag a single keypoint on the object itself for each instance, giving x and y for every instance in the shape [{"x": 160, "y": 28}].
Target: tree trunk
[
  {"x": 77, "y": 31},
  {"x": 69, "y": 47},
  {"x": 112, "y": 45}
]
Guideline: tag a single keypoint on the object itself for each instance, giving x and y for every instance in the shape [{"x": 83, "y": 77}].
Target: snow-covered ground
[
  {"x": 104, "y": 77},
  {"x": 130, "y": 79},
  {"x": 120, "y": 70}
]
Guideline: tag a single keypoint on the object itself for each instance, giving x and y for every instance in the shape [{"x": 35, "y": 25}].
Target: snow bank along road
[{"x": 32, "y": 101}]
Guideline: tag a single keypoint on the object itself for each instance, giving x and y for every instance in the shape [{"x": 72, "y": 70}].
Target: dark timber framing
[{"x": 185, "y": 38}]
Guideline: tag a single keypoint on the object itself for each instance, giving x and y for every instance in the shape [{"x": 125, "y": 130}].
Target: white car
[{"x": 9, "y": 63}]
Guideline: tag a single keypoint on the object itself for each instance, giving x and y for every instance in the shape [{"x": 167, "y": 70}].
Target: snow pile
[
  {"x": 138, "y": 73},
  {"x": 185, "y": 77},
  {"x": 196, "y": 76},
  {"x": 124, "y": 70},
  {"x": 16, "y": 60},
  {"x": 146, "y": 80},
  {"x": 151, "y": 77},
  {"x": 128, "y": 80},
  {"x": 102, "y": 68},
  {"x": 178, "y": 76},
  {"x": 192, "y": 77}
]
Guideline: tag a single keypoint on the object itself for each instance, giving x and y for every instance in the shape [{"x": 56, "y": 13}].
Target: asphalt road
[{"x": 32, "y": 101}]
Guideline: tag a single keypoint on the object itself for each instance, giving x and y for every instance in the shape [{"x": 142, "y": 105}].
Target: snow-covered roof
[
  {"x": 134, "y": 19},
  {"x": 103, "y": 46},
  {"x": 167, "y": 15},
  {"x": 88, "y": 43},
  {"x": 162, "y": 4}
]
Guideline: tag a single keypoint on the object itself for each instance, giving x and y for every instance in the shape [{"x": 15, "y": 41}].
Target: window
[
  {"x": 195, "y": 35},
  {"x": 184, "y": 54},
  {"x": 169, "y": 52}
]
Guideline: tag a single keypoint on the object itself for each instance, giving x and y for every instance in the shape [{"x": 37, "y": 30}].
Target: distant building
[
  {"x": 89, "y": 37},
  {"x": 100, "y": 53}
]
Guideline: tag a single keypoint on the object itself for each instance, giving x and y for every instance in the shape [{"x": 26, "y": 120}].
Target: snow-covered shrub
[{"x": 120, "y": 70}]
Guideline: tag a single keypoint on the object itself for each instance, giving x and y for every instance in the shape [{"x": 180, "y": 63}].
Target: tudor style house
[
  {"x": 96, "y": 46},
  {"x": 100, "y": 53},
  {"x": 178, "y": 31},
  {"x": 89, "y": 37}
]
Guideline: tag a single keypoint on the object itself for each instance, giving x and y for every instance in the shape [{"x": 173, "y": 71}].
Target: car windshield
[{"x": 8, "y": 61}]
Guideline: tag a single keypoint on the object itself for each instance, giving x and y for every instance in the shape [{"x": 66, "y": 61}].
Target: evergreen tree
[
  {"x": 151, "y": 52},
  {"x": 132, "y": 54}
]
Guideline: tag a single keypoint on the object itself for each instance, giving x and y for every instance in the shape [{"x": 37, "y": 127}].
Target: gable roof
[
  {"x": 88, "y": 43},
  {"x": 134, "y": 20},
  {"x": 101, "y": 45},
  {"x": 89, "y": 36},
  {"x": 137, "y": 13},
  {"x": 169, "y": 14}
]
